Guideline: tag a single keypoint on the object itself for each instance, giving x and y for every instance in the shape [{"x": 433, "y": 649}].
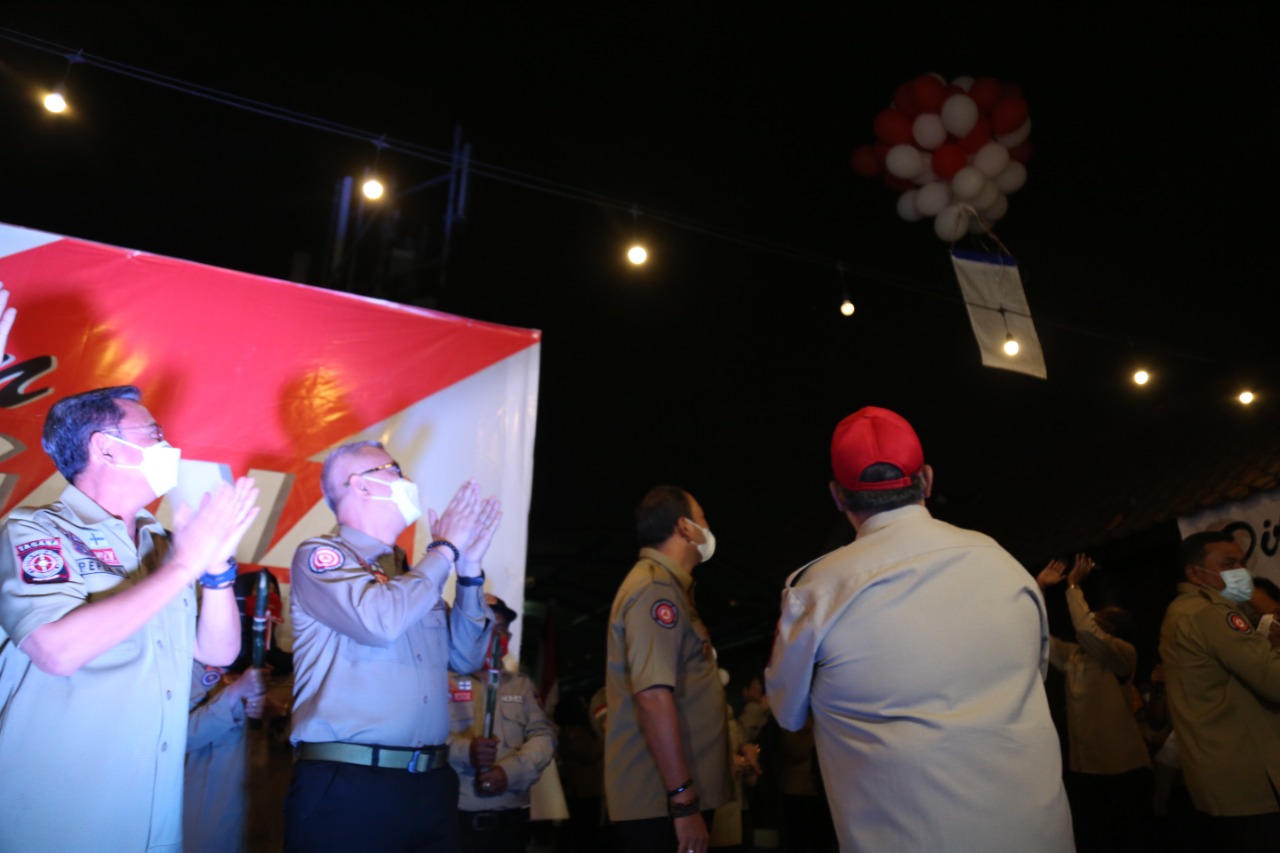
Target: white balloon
[
  {"x": 952, "y": 222},
  {"x": 967, "y": 183},
  {"x": 959, "y": 115},
  {"x": 987, "y": 197},
  {"x": 977, "y": 225},
  {"x": 996, "y": 210},
  {"x": 928, "y": 132},
  {"x": 935, "y": 75},
  {"x": 932, "y": 198},
  {"x": 991, "y": 159},
  {"x": 1019, "y": 136},
  {"x": 904, "y": 161},
  {"x": 1012, "y": 177},
  {"x": 964, "y": 82},
  {"x": 926, "y": 175},
  {"x": 907, "y": 206}
]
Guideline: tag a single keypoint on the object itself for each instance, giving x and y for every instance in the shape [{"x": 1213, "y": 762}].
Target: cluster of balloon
[{"x": 955, "y": 151}]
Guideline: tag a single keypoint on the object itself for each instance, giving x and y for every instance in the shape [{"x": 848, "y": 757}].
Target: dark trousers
[
  {"x": 504, "y": 831},
  {"x": 652, "y": 835},
  {"x": 1110, "y": 812},
  {"x": 334, "y": 806}
]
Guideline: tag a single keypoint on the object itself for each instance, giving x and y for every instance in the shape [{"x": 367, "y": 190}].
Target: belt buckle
[{"x": 413, "y": 762}]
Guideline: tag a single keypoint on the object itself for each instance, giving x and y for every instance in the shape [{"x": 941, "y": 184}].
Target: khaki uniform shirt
[
  {"x": 121, "y": 717},
  {"x": 526, "y": 738},
  {"x": 1102, "y": 734},
  {"x": 374, "y": 642},
  {"x": 1223, "y": 686},
  {"x": 656, "y": 638},
  {"x": 215, "y": 812}
]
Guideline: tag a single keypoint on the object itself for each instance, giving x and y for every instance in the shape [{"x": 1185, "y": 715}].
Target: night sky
[{"x": 1144, "y": 232}]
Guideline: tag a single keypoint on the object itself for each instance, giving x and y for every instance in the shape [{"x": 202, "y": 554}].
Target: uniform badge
[
  {"x": 42, "y": 561},
  {"x": 212, "y": 675},
  {"x": 1238, "y": 623},
  {"x": 325, "y": 558},
  {"x": 462, "y": 691},
  {"x": 665, "y": 614},
  {"x": 107, "y": 555}
]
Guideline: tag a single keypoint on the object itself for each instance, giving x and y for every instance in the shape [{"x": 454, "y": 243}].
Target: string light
[
  {"x": 1011, "y": 346},
  {"x": 1141, "y": 377},
  {"x": 373, "y": 189},
  {"x": 637, "y": 254},
  {"x": 846, "y": 308},
  {"x": 1246, "y": 398},
  {"x": 56, "y": 100}
]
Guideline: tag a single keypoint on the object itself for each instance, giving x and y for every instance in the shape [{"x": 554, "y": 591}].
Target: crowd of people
[{"x": 903, "y": 706}]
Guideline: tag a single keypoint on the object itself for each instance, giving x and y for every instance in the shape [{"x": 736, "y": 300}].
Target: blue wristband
[
  {"x": 478, "y": 580},
  {"x": 222, "y": 580}
]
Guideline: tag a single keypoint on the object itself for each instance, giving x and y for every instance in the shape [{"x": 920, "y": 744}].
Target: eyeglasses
[
  {"x": 393, "y": 467},
  {"x": 157, "y": 431}
]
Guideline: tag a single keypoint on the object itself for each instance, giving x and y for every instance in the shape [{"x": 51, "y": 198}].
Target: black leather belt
[
  {"x": 418, "y": 760},
  {"x": 497, "y": 819}
]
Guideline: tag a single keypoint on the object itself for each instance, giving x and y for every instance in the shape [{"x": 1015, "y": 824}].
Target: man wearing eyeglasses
[
  {"x": 373, "y": 644},
  {"x": 98, "y": 628}
]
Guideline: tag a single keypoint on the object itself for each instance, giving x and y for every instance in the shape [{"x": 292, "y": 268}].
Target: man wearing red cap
[{"x": 920, "y": 649}]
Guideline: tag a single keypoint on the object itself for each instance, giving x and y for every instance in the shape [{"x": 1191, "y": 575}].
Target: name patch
[
  {"x": 665, "y": 613},
  {"x": 42, "y": 561},
  {"x": 461, "y": 692},
  {"x": 325, "y": 558}
]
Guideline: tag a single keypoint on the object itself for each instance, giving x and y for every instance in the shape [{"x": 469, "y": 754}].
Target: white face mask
[
  {"x": 1239, "y": 585},
  {"x": 159, "y": 464},
  {"x": 707, "y": 547},
  {"x": 404, "y": 494}
]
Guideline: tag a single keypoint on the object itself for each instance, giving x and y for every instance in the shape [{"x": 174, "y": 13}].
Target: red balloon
[
  {"x": 985, "y": 91},
  {"x": 928, "y": 93},
  {"x": 897, "y": 184},
  {"x": 1011, "y": 90},
  {"x": 978, "y": 137},
  {"x": 893, "y": 127},
  {"x": 865, "y": 162},
  {"x": 902, "y": 100},
  {"x": 948, "y": 158},
  {"x": 1008, "y": 115},
  {"x": 1022, "y": 153}
]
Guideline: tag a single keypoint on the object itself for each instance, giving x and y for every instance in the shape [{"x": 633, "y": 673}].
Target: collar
[
  {"x": 884, "y": 519},
  {"x": 365, "y": 545},
  {"x": 89, "y": 512},
  {"x": 1210, "y": 595},
  {"x": 682, "y": 577}
]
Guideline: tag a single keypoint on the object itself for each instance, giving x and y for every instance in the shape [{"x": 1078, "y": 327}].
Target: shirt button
[
  {"x": 424, "y": 700},
  {"x": 164, "y": 747},
  {"x": 419, "y": 657},
  {"x": 168, "y": 694},
  {"x": 160, "y": 643}
]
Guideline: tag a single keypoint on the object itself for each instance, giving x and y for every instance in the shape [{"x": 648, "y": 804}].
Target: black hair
[
  {"x": 73, "y": 419},
  {"x": 658, "y": 513},
  {"x": 1192, "y": 550},
  {"x": 882, "y": 500}
]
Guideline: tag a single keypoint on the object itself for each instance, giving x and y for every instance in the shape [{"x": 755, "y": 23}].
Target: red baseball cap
[{"x": 873, "y": 435}]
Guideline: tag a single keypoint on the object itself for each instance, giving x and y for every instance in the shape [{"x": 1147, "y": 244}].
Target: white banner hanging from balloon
[{"x": 999, "y": 312}]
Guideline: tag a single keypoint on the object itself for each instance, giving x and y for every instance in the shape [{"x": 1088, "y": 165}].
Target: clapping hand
[
  {"x": 204, "y": 539},
  {"x": 1083, "y": 565},
  {"x": 469, "y": 523},
  {"x": 1051, "y": 574}
]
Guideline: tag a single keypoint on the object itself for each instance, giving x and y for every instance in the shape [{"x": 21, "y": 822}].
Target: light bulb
[
  {"x": 54, "y": 102},
  {"x": 372, "y": 189},
  {"x": 1246, "y": 397},
  {"x": 637, "y": 255},
  {"x": 1010, "y": 346},
  {"x": 846, "y": 308},
  {"x": 1141, "y": 377}
]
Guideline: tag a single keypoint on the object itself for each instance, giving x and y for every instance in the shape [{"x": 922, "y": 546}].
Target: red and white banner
[
  {"x": 265, "y": 377},
  {"x": 1255, "y": 523}
]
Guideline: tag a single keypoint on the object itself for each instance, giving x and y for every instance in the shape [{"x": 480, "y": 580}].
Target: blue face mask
[{"x": 1239, "y": 585}]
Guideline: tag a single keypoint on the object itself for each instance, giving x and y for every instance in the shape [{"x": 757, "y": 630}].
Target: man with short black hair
[
  {"x": 98, "y": 629},
  {"x": 1223, "y": 686},
  {"x": 920, "y": 649},
  {"x": 373, "y": 644},
  {"x": 667, "y": 744}
]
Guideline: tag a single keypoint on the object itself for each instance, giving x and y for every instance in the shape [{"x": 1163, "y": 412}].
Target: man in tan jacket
[{"x": 1224, "y": 692}]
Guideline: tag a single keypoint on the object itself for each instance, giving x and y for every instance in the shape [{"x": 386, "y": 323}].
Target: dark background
[{"x": 1144, "y": 235}]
